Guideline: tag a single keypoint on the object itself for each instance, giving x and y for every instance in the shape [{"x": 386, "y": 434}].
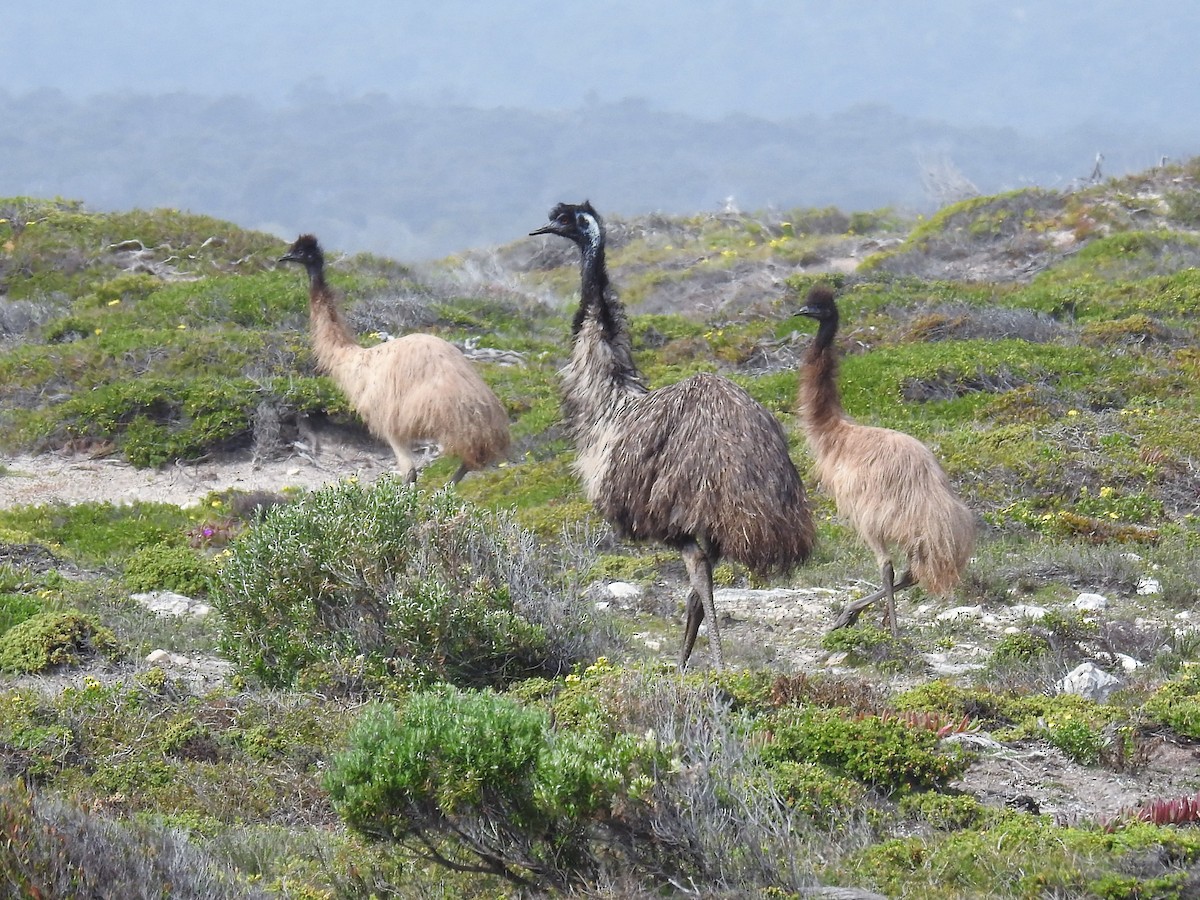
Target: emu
[
  {"x": 415, "y": 388},
  {"x": 886, "y": 483},
  {"x": 699, "y": 465}
]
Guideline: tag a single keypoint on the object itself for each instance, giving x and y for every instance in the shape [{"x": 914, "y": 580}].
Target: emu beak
[
  {"x": 287, "y": 257},
  {"x": 545, "y": 229}
]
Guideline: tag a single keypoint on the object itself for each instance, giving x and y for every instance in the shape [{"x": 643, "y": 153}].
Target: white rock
[
  {"x": 166, "y": 658},
  {"x": 169, "y": 603},
  {"x": 1149, "y": 586},
  {"x": 1089, "y": 681},
  {"x": 1128, "y": 663},
  {"x": 1026, "y": 611},
  {"x": 835, "y": 659},
  {"x": 624, "y": 591},
  {"x": 960, "y": 612},
  {"x": 1183, "y": 615},
  {"x": 1090, "y": 602},
  {"x": 602, "y": 605}
]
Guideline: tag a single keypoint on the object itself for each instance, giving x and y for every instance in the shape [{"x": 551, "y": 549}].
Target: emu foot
[{"x": 848, "y": 617}]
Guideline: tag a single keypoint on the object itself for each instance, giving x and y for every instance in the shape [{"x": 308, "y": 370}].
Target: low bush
[
  {"x": 502, "y": 791},
  {"x": 55, "y": 850},
  {"x": 1177, "y": 703},
  {"x": 388, "y": 581},
  {"x": 887, "y": 755},
  {"x": 166, "y": 568},
  {"x": 53, "y": 639}
]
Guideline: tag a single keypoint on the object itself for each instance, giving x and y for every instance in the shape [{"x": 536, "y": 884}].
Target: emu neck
[
  {"x": 332, "y": 338},
  {"x": 821, "y": 404},
  {"x": 601, "y": 375}
]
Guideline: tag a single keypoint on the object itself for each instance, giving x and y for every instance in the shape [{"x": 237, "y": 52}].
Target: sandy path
[{"x": 53, "y": 477}]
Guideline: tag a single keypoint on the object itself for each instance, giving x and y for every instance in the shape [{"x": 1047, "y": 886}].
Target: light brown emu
[
  {"x": 886, "y": 483},
  {"x": 415, "y": 388},
  {"x": 699, "y": 465}
]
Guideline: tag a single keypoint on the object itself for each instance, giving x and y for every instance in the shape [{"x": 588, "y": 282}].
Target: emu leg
[
  {"x": 888, "y": 577},
  {"x": 850, "y": 614},
  {"x": 700, "y": 604},
  {"x": 695, "y": 615},
  {"x": 458, "y": 476},
  {"x": 406, "y": 463}
]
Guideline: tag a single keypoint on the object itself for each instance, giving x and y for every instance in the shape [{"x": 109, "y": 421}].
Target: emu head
[
  {"x": 305, "y": 251},
  {"x": 576, "y": 222},
  {"x": 820, "y": 304}
]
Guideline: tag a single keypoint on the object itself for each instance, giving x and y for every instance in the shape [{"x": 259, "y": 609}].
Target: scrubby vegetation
[{"x": 429, "y": 692}]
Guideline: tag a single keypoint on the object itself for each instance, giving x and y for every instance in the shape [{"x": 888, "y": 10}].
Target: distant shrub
[
  {"x": 868, "y": 644},
  {"x": 56, "y": 850},
  {"x": 945, "y": 812},
  {"x": 1079, "y": 740},
  {"x": 388, "y": 580},
  {"x": 1020, "y": 647},
  {"x": 99, "y": 533},
  {"x": 16, "y": 608},
  {"x": 1177, "y": 703},
  {"x": 884, "y": 754},
  {"x": 53, "y": 639},
  {"x": 161, "y": 567}
]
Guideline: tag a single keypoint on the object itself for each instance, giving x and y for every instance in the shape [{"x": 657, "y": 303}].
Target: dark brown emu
[
  {"x": 415, "y": 388},
  {"x": 699, "y": 466},
  {"x": 886, "y": 483}
]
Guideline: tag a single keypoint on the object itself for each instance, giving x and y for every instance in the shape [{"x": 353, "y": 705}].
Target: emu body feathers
[
  {"x": 698, "y": 465},
  {"x": 887, "y": 484},
  {"x": 417, "y": 387}
]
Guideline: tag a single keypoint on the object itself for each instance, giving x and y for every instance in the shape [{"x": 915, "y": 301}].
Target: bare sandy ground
[{"x": 56, "y": 477}]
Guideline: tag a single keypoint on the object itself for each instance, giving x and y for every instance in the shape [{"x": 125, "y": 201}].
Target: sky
[{"x": 1028, "y": 64}]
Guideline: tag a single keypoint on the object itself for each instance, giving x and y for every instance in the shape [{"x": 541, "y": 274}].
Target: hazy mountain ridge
[{"x": 416, "y": 181}]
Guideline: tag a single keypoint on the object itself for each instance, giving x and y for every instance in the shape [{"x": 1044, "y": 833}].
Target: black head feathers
[
  {"x": 577, "y": 222},
  {"x": 305, "y": 250}
]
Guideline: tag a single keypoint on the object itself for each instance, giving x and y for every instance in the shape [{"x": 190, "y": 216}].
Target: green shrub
[
  {"x": 53, "y": 639},
  {"x": 1079, "y": 741},
  {"x": 16, "y": 608},
  {"x": 1020, "y": 647},
  {"x": 946, "y": 812},
  {"x": 99, "y": 533},
  {"x": 1177, "y": 703},
  {"x": 511, "y": 795},
  {"x": 388, "y": 579},
  {"x": 886, "y": 755},
  {"x": 168, "y": 568}
]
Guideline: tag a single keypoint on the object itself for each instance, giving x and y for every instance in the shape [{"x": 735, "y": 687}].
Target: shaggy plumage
[
  {"x": 698, "y": 465},
  {"x": 415, "y": 388},
  {"x": 887, "y": 484}
]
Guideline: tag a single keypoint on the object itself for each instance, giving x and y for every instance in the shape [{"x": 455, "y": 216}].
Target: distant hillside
[{"x": 417, "y": 181}]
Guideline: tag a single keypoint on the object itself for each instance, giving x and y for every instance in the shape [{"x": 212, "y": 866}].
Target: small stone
[
  {"x": 1090, "y": 682},
  {"x": 169, "y": 603},
  {"x": 1090, "y": 602},
  {"x": 960, "y": 612},
  {"x": 836, "y": 659},
  {"x": 1149, "y": 586},
  {"x": 1128, "y": 663},
  {"x": 624, "y": 591},
  {"x": 1026, "y": 611},
  {"x": 158, "y": 657}
]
